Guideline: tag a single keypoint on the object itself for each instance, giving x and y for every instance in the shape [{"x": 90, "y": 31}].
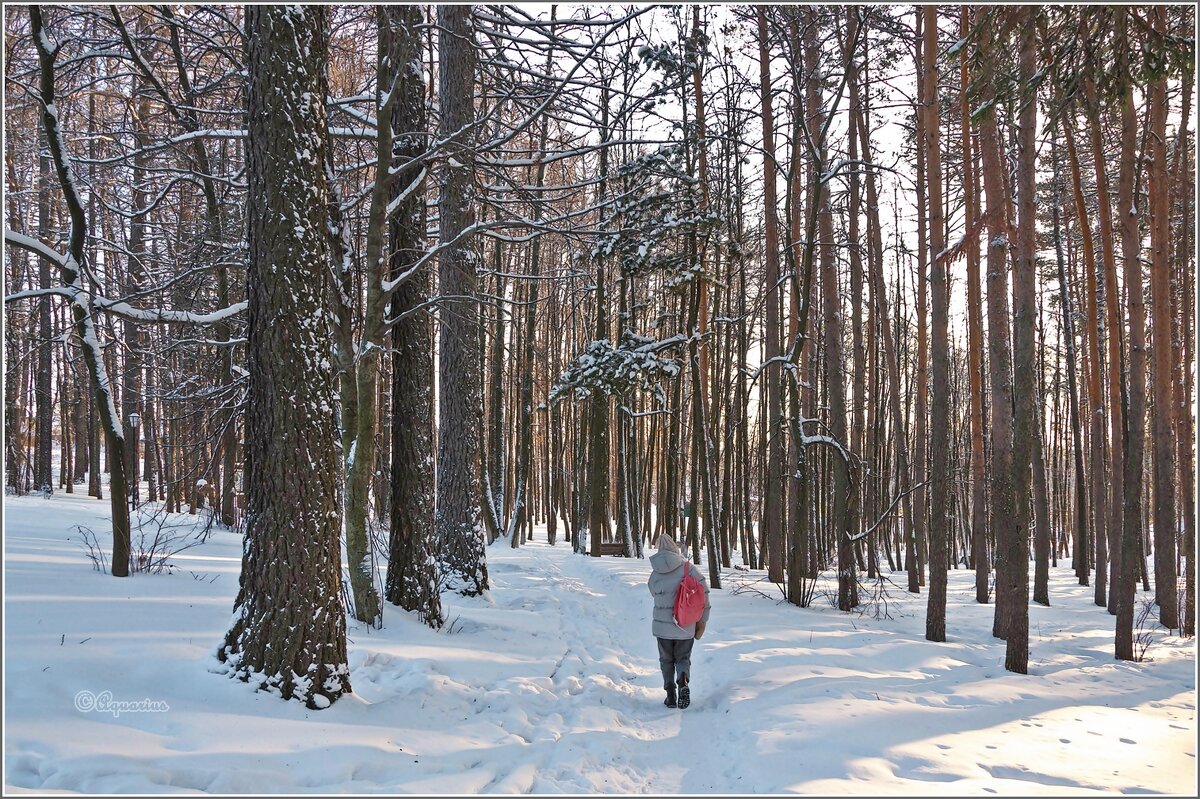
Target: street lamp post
[{"x": 134, "y": 419}]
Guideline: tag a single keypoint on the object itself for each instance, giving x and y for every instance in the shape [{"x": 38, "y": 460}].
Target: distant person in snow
[{"x": 674, "y": 642}]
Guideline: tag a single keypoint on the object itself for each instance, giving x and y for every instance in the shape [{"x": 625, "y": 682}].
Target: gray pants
[{"x": 675, "y": 657}]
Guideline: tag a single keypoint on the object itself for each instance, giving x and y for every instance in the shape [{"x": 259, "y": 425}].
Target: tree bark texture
[
  {"x": 412, "y": 576},
  {"x": 460, "y": 399},
  {"x": 289, "y": 627}
]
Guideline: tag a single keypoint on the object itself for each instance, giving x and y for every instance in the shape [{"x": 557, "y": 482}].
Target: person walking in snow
[{"x": 674, "y": 642}]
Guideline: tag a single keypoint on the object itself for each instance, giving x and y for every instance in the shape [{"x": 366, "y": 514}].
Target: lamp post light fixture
[{"x": 131, "y": 450}]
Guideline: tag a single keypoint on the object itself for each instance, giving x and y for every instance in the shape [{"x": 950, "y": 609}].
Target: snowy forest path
[{"x": 609, "y": 684}]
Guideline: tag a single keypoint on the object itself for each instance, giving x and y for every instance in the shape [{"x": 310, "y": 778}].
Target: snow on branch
[
  {"x": 616, "y": 370},
  {"x": 168, "y": 315},
  {"x": 34, "y": 246},
  {"x": 829, "y": 441},
  {"x": 118, "y": 307}
]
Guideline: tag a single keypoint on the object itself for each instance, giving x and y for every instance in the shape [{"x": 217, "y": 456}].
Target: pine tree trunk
[
  {"x": 95, "y": 488},
  {"x": 771, "y": 517},
  {"x": 459, "y": 512},
  {"x": 1081, "y": 539},
  {"x": 412, "y": 578},
  {"x": 697, "y": 329},
  {"x": 1184, "y": 354},
  {"x": 859, "y": 367},
  {"x": 915, "y": 549},
  {"x": 15, "y": 369},
  {"x": 525, "y": 409},
  {"x": 1042, "y": 534},
  {"x": 131, "y": 375},
  {"x": 1160, "y": 286},
  {"x": 66, "y": 475},
  {"x": 360, "y": 461},
  {"x": 847, "y": 581},
  {"x": 1116, "y": 359},
  {"x": 1006, "y": 534},
  {"x": 496, "y": 471},
  {"x": 1025, "y": 384},
  {"x": 598, "y": 453},
  {"x": 979, "y": 520},
  {"x": 1096, "y": 461},
  {"x": 80, "y": 435},
  {"x": 554, "y": 445},
  {"x": 289, "y": 630},
  {"x": 43, "y": 478},
  {"x": 939, "y": 474},
  {"x": 1134, "y": 400},
  {"x": 150, "y": 423},
  {"x": 798, "y": 538},
  {"x": 879, "y": 299}
]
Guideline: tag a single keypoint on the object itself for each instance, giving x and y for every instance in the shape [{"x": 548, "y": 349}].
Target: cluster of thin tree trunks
[{"x": 754, "y": 336}]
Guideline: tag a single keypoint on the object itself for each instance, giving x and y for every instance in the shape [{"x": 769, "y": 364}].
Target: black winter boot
[
  {"x": 670, "y": 700},
  {"x": 685, "y": 693}
]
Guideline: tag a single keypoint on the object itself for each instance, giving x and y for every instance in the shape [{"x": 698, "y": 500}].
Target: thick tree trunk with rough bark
[
  {"x": 460, "y": 401},
  {"x": 412, "y": 577},
  {"x": 289, "y": 627}
]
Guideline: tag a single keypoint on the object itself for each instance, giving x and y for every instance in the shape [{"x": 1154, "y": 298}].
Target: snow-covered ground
[{"x": 553, "y": 686}]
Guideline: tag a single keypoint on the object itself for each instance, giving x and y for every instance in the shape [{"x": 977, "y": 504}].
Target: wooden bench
[{"x": 616, "y": 548}]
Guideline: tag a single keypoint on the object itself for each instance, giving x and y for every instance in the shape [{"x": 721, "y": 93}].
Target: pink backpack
[{"x": 689, "y": 598}]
